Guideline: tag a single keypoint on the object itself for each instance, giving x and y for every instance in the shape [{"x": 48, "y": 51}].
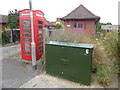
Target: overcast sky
[{"x": 106, "y": 9}]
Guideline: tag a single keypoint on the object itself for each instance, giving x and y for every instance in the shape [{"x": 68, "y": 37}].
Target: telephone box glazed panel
[{"x": 25, "y": 33}]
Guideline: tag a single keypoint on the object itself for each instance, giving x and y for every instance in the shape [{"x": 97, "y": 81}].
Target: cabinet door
[
  {"x": 53, "y": 56},
  {"x": 76, "y": 64}
]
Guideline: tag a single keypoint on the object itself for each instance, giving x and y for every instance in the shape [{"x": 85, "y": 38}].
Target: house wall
[{"x": 89, "y": 26}]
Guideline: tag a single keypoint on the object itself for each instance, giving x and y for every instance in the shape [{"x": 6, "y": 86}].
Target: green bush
[
  {"x": 16, "y": 35},
  {"x": 58, "y": 25},
  {"x": 5, "y": 37}
]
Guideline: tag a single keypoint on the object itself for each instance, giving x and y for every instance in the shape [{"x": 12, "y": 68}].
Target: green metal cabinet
[{"x": 69, "y": 60}]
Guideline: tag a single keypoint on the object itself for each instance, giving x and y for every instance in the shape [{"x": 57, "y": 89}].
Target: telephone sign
[{"x": 25, "y": 33}]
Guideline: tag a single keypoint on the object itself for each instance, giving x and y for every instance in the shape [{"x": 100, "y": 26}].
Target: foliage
[
  {"x": 7, "y": 28},
  {"x": 103, "y": 64},
  {"x": 104, "y": 75},
  {"x": 5, "y": 37},
  {"x": 98, "y": 26},
  {"x": 70, "y": 36},
  {"x": 99, "y": 55},
  {"x": 111, "y": 45},
  {"x": 13, "y": 19},
  {"x": 16, "y": 35},
  {"x": 119, "y": 51},
  {"x": 106, "y": 57},
  {"x": 58, "y": 25},
  {"x": 0, "y": 37}
]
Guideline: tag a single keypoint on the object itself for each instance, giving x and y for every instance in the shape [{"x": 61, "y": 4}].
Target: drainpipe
[{"x": 34, "y": 63}]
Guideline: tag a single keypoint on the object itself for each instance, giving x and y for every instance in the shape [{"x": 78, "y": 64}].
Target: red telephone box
[{"x": 25, "y": 33}]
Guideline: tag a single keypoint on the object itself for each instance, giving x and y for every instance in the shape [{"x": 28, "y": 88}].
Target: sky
[{"x": 106, "y": 9}]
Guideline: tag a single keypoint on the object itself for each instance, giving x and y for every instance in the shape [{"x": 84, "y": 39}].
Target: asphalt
[
  {"x": 10, "y": 51},
  {"x": 15, "y": 71}
]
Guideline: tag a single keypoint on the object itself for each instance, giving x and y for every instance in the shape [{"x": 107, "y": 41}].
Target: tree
[
  {"x": 98, "y": 25},
  {"x": 13, "y": 22},
  {"x": 108, "y": 23},
  {"x": 58, "y": 25}
]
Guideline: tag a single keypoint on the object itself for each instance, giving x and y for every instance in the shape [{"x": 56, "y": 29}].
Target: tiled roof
[{"x": 81, "y": 13}]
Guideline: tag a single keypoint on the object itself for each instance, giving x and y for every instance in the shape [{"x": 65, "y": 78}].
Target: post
[{"x": 34, "y": 64}]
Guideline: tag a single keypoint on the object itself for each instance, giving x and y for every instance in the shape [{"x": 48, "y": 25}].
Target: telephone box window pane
[
  {"x": 74, "y": 25},
  {"x": 80, "y": 25},
  {"x": 40, "y": 35},
  {"x": 40, "y": 52},
  {"x": 27, "y": 35},
  {"x": 27, "y": 53},
  {"x": 26, "y": 26},
  {"x": 40, "y": 43},
  {"x": 40, "y": 31},
  {"x": 26, "y": 31},
  {"x": 40, "y": 47},
  {"x": 27, "y": 40},
  {"x": 27, "y": 44},
  {"x": 40, "y": 39},
  {"x": 40, "y": 27},
  {"x": 27, "y": 48},
  {"x": 26, "y": 21},
  {"x": 40, "y": 22}
]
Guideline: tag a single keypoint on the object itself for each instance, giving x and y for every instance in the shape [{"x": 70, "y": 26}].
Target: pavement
[
  {"x": 15, "y": 71},
  {"x": 47, "y": 81},
  {"x": 44, "y": 80},
  {"x": 10, "y": 51}
]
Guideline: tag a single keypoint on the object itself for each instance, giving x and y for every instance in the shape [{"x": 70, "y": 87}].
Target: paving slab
[{"x": 48, "y": 81}]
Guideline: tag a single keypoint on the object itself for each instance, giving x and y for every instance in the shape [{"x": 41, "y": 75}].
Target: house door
[{"x": 78, "y": 26}]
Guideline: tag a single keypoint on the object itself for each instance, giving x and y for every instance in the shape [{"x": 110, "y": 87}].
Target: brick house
[
  {"x": 3, "y": 21},
  {"x": 81, "y": 19}
]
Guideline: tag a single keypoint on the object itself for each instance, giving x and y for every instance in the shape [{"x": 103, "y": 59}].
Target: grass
[{"x": 71, "y": 36}]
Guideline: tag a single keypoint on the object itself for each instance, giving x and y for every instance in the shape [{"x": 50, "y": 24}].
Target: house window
[
  {"x": 78, "y": 25},
  {"x": 75, "y": 25}
]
